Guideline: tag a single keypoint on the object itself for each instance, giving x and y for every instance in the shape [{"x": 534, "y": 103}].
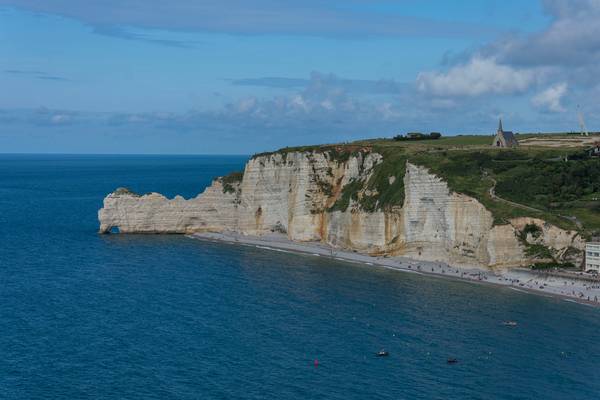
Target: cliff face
[
  {"x": 213, "y": 210},
  {"x": 294, "y": 193},
  {"x": 441, "y": 225}
]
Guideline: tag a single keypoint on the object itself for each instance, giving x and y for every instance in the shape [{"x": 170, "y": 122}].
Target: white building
[{"x": 592, "y": 256}]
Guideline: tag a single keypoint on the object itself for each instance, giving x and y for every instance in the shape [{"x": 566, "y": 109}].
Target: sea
[{"x": 89, "y": 316}]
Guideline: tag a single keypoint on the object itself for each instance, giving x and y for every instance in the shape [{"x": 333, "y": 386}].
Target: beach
[{"x": 520, "y": 279}]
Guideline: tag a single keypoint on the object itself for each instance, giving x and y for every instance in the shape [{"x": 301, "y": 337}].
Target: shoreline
[{"x": 570, "y": 290}]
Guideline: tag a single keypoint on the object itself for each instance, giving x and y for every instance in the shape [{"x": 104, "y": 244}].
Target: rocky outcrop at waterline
[{"x": 320, "y": 196}]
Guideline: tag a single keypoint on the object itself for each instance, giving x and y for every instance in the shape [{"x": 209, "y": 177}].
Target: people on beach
[{"x": 580, "y": 289}]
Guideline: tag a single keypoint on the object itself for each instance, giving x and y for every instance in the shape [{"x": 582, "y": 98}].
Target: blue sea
[{"x": 88, "y": 316}]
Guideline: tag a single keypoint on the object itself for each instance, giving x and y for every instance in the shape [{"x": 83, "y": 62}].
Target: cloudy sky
[{"x": 237, "y": 77}]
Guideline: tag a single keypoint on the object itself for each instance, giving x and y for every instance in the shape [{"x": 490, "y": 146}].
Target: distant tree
[{"x": 418, "y": 136}]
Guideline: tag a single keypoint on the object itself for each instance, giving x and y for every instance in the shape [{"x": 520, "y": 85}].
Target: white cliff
[
  {"x": 439, "y": 225},
  {"x": 213, "y": 210},
  {"x": 294, "y": 193}
]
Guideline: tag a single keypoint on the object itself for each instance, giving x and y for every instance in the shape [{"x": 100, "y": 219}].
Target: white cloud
[
  {"x": 298, "y": 102},
  {"x": 60, "y": 119},
  {"x": 247, "y": 104},
  {"x": 308, "y": 17},
  {"x": 327, "y": 104},
  {"x": 550, "y": 99},
  {"x": 477, "y": 77},
  {"x": 566, "y": 50}
]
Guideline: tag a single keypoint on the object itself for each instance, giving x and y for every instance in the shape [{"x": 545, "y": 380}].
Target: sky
[{"x": 239, "y": 77}]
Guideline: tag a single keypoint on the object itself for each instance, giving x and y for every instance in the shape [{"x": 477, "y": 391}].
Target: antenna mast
[{"x": 584, "y": 131}]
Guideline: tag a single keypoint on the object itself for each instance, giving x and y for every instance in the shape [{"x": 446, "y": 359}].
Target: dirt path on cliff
[{"x": 494, "y": 196}]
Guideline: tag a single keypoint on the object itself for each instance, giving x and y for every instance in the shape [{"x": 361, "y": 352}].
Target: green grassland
[{"x": 545, "y": 186}]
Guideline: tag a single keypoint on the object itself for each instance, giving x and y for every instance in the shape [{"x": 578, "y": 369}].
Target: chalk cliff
[{"x": 295, "y": 193}]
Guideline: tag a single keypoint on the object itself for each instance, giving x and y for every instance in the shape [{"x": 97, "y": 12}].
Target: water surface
[{"x": 166, "y": 317}]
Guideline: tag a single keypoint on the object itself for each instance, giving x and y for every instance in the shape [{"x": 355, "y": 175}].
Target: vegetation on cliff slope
[
  {"x": 125, "y": 191},
  {"x": 230, "y": 181},
  {"x": 558, "y": 191}
]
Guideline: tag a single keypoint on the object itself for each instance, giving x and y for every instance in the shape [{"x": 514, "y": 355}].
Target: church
[{"x": 504, "y": 138}]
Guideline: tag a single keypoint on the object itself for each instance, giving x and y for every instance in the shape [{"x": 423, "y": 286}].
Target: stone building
[{"x": 504, "y": 138}]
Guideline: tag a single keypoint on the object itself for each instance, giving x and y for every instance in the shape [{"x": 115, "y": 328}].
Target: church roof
[{"x": 508, "y": 135}]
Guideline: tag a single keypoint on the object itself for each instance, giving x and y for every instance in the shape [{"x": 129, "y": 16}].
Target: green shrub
[
  {"x": 552, "y": 265},
  {"x": 230, "y": 180},
  {"x": 350, "y": 191},
  {"x": 417, "y": 136},
  {"x": 532, "y": 229},
  {"x": 125, "y": 191},
  {"x": 325, "y": 187},
  {"x": 538, "y": 251}
]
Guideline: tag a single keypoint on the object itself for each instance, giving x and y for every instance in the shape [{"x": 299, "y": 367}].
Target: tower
[{"x": 584, "y": 131}]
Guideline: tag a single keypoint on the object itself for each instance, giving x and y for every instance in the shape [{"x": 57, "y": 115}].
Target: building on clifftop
[{"x": 504, "y": 138}]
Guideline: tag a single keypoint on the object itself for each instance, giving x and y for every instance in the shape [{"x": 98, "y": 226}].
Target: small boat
[
  {"x": 509, "y": 323},
  {"x": 382, "y": 353},
  {"x": 452, "y": 361}
]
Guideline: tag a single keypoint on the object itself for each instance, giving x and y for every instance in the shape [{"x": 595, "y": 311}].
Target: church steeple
[{"x": 504, "y": 138}]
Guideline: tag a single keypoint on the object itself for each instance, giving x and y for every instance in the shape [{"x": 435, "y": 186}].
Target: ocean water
[{"x": 85, "y": 316}]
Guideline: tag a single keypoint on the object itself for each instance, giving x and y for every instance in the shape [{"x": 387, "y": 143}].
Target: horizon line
[{"x": 119, "y": 154}]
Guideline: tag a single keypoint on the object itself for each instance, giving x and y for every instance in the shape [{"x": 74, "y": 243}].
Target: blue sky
[{"x": 133, "y": 76}]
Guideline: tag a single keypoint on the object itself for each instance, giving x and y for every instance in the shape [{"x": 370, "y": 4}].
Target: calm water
[{"x": 151, "y": 317}]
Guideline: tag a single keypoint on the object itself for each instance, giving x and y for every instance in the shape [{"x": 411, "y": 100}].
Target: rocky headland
[{"x": 351, "y": 199}]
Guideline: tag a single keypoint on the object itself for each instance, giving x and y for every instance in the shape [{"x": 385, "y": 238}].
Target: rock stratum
[{"x": 295, "y": 193}]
